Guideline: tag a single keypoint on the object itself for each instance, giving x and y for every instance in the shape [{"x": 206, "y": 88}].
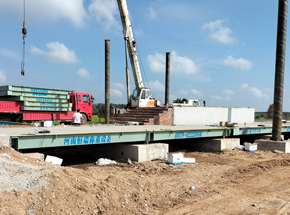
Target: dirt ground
[{"x": 230, "y": 182}]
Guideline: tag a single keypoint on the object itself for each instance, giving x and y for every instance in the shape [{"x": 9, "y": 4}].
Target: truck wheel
[{"x": 84, "y": 119}]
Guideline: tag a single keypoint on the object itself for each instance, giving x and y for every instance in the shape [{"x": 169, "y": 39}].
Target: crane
[{"x": 141, "y": 96}]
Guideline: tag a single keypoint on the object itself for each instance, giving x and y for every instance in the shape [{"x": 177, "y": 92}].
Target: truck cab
[
  {"x": 82, "y": 101},
  {"x": 142, "y": 98}
]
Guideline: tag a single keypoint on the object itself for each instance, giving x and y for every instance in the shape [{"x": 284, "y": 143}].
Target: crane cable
[
  {"x": 143, "y": 72},
  {"x": 24, "y": 32}
]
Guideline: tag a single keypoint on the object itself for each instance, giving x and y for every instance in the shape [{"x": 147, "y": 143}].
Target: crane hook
[{"x": 24, "y": 32}]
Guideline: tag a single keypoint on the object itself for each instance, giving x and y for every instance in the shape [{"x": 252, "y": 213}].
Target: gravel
[{"x": 16, "y": 176}]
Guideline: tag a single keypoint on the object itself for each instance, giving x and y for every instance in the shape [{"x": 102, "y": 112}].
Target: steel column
[
  {"x": 279, "y": 71},
  {"x": 107, "y": 81},
  {"x": 167, "y": 78}
]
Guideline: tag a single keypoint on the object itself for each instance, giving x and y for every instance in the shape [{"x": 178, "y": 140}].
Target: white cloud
[
  {"x": 183, "y": 92},
  {"x": 104, "y": 11},
  {"x": 219, "y": 32},
  {"x": 244, "y": 86},
  {"x": 116, "y": 92},
  {"x": 156, "y": 86},
  {"x": 156, "y": 62},
  {"x": 227, "y": 98},
  {"x": 195, "y": 92},
  {"x": 240, "y": 63},
  {"x": 3, "y": 78},
  {"x": 178, "y": 65},
  {"x": 8, "y": 53},
  {"x": 58, "y": 53},
  {"x": 52, "y": 10},
  {"x": 228, "y": 92},
  {"x": 118, "y": 86},
  {"x": 253, "y": 91},
  {"x": 83, "y": 73},
  {"x": 258, "y": 93},
  {"x": 217, "y": 97},
  {"x": 152, "y": 14},
  {"x": 190, "y": 93}
]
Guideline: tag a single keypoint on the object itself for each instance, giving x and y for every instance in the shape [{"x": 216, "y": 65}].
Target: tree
[{"x": 270, "y": 111}]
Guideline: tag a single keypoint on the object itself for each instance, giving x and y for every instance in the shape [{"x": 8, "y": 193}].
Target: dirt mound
[{"x": 230, "y": 182}]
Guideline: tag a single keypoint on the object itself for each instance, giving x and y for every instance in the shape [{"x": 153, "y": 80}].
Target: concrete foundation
[
  {"x": 36, "y": 155},
  {"x": 269, "y": 145},
  {"x": 4, "y": 140},
  {"x": 267, "y": 137},
  {"x": 135, "y": 152},
  {"x": 215, "y": 145}
]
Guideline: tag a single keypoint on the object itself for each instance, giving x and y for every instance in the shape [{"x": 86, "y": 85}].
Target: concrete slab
[
  {"x": 4, "y": 140},
  {"x": 135, "y": 152},
  {"x": 36, "y": 155},
  {"x": 270, "y": 145},
  {"x": 215, "y": 145}
]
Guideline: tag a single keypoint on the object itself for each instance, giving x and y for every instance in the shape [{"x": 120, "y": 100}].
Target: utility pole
[
  {"x": 167, "y": 78},
  {"x": 279, "y": 70},
  {"x": 107, "y": 81}
]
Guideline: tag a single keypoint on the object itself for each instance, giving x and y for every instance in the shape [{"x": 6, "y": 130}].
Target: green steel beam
[
  {"x": 74, "y": 139},
  {"x": 49, "y": 140},
  {"x": 31, "y": 108},
  {"x": 47, "y": 104},
  {"x": 6, "y": 123},
  {"x": 33, "y": 94},
  {"x": 33, "y": 89}
]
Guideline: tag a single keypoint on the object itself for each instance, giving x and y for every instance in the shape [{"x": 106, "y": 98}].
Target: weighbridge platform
[{"x": 30, "y": 138}]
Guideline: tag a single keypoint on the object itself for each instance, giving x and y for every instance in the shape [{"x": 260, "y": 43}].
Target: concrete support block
[
  {"x": 215, "y": 145},
  {"x": 36, "y": 155},
  {"x": 136, "y": 152},
  {"x": 267, "y": 136},
  {"x": 270, "y": 145},
  {"x": 4, "y": 140}
]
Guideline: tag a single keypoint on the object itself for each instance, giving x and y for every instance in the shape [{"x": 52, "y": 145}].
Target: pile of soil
[{"x": 230, "y": 182}]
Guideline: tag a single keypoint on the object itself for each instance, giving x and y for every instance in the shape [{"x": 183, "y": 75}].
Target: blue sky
[{"x": 221, "y": 51}]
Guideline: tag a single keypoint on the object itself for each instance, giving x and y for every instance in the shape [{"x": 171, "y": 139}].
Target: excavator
[{"x": 141, "y": 96}]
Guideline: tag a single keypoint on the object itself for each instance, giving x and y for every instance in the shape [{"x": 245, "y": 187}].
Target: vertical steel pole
[
  {"x": 167, "y": 78},
  {"x": 107, "y": 81},
  {"x": 279, "y": 71}
]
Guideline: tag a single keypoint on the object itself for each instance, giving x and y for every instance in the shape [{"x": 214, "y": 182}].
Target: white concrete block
[
  {"x": 199, "y": 115},
  {"x": 212, "y": 115},
  {"x": 215, "y": 145},
  {"x": 4, "y": 140},
  {"x": 143, "y": 152},
  {"x": 136, "y": 152}
]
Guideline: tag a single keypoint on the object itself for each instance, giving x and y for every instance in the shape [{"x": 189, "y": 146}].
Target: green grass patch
[{"x": 96, "y": 120}]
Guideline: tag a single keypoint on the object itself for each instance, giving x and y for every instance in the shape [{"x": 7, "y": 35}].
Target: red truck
[{"x": 26, "y": 104}]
